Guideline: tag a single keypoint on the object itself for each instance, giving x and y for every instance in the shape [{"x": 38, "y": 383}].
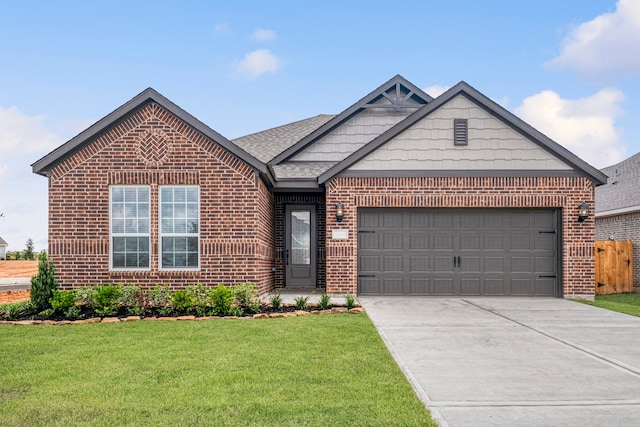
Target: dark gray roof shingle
[
  {"x": 621, "y": 190},
  {"x": 301, "y": 170},
  {"x": 267, "y": 144}
]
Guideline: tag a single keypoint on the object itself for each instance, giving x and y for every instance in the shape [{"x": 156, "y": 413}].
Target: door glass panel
[{"x": 300, "y": 237}]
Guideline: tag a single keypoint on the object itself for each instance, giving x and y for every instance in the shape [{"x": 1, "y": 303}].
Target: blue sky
[{"x": 570, "y": 68}]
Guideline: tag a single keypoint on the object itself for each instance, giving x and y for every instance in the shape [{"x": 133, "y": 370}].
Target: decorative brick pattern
[
  {"x": 564, "y": 193},
  {"x": 152, "y": 147},
  {"x": 623, "y": 227}
]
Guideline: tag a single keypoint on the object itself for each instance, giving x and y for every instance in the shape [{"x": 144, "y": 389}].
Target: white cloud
[
  {"x": 20, "y": 133},
  {"x": 605, "y": 47},
  {"x": 222, "y": 28},
  {"x": 257, "y": 63},
  {"x": 585, "y": 126},
  {"x": 263, "y": 35},
  {"x": 436, "y": 90}
]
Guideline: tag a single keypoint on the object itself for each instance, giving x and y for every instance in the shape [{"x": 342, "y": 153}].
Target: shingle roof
[
  {"x": 301, "y": 170},
  {"x": 621, "y": 191},
  {"x": 3, "y": 242},
  {"x": 267, "y": 144}
]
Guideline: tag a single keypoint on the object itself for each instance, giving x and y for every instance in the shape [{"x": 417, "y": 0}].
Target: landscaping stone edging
[{"x": 297, "y": 313}]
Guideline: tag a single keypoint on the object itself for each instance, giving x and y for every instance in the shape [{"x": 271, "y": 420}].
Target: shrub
[
  {"x": 62, "y": 301},
  {"x": 246, "y": 297},
  {"x": 15, "y": 310},
  {"x": 275, "y": 300},
  {"x": 106, "y": 300},
  {"x": 73, "y": 313},
  {"x": 85, "y": 294},
  {"x": 133, "y": 298},
  {"x": 324, "y": 301},
  {"x": 44, "y": 283},
  {"x": 182, "y": 301},
  {"x": 47, "y": 314},
  {"x": 201, "y": 300},
  {"x": 351, "y": 301},
  {"x": 165, "y": 311},
  {"x": 301, "y": 302},
  {"x": 160, "y": 296},
  {"x": 221, "y": 299}
]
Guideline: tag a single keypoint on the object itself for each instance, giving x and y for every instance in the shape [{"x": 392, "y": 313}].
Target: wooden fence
[{"x": 614, "y": 267}]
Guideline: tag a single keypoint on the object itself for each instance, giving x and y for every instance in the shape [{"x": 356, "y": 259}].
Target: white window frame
[
  {"x": 137, "y": 235},
  {"x": 161, "y": 234}
]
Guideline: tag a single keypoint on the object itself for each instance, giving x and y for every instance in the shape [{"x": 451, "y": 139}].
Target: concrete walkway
[
  {"x": 14, "y": 284},
  {"x": 515, "y": 361}
]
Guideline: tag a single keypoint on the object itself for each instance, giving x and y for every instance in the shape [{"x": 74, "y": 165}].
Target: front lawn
[
  {"x": 312, "y": 370},
  {"x": 623, "y": 303}
]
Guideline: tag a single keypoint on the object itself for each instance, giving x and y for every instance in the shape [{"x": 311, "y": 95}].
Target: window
[
  {"x": 179, "y": 227},
  {"x": 129, "y": 227},
  {"x": 460, "y": 132}
]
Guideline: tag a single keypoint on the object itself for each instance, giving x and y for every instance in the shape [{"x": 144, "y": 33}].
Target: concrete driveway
[{"x": 515, "y": 361}]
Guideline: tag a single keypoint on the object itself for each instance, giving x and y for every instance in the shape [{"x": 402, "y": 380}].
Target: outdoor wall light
[
  {"x": 583, "y": 212},
  {"x": 339, "y": 212}
]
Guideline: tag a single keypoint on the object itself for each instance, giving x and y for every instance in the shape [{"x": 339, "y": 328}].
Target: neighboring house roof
[
  {"x": 45, "y": 164},
  {"x": 466, "y": 90},
  {"x": 620, "y": 195},
  {"x": 3, "y": 242},
  {"x": 267, "y": 144}
]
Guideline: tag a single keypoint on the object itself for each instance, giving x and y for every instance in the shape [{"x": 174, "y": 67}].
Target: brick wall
[
  {"x": 623, "y": 227},
  {"x": 152, "y": 147},
  {"x": 565, "y": 193},
  {"x": 281, "y": 200}
]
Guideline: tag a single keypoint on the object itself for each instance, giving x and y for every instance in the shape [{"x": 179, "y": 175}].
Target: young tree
[{"x": 28, "y": 252}]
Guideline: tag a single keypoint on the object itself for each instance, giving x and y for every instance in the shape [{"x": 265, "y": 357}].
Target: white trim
[
  {"x": 614, "y": 212},
  {"x": 161, "y": 234},
  {"x": 111, "y": 235}
]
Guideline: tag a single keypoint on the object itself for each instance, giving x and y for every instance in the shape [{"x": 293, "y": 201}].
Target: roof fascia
[
  {"x": 621, "y": 211},
  {"x": 492, "y": 107},
  {"x": 43, "y": 165},
  {"x": 337, "y": 120}
]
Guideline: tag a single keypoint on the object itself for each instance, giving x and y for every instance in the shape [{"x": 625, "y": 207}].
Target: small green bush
[
  {"x": 160, "y": 296},
  {"x": 221, "y": 299},
  {"x": 201, "y": 299},
  {"x": 301, "y": 302},
  {"x": 73, "y": 313},
  {"x": 62, "y": 301},
  {"x": 44, "y": 283},
  {"x": 85, "y": 294},
  {"x": 276, "y": 301},
  {"x": 183, "y": 301},
  {"x": 324, "y": 301},
  {"x": 351, "y": 301},
  {"x": 106, "y": 300},
  {"x": 165, "y": 311},
  {"x": 133, "y": 298},
  {"x": 16, "y": 310},
  {"x": 246, "y": 297}
]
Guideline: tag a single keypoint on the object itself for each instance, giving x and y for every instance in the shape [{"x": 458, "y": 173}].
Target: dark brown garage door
[{"x": 458, "y": 252}]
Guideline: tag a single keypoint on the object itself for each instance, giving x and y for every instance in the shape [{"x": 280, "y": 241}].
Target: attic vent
[{"x": 460, "y": 133}]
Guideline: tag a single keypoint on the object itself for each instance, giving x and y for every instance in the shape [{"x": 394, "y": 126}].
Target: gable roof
[
  {"x": 267, "y": 144},
  {"x": 395, "y": 83},
  {"x": 45, "y": 164},
  {"x": 481, "y": 100},
  {"x": 620, "y": 194},
  {"x": 3, "y": 242}
]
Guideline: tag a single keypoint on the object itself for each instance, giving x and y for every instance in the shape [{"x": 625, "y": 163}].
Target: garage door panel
[
  {"x": 419, "y": 264},
  {"x": 443, "y": 286},
  {"x": 470, "y": 286},
  {"x": 458, "y": 251},
  {"x": 369, "y": 263},
  {"x": 393, "y": 263},
  {"x": 420, "y": 286},
  {"x": 392, "y": 241},
  {"x": 419, "y": 241},
  {"x": 392, "y": 285}
]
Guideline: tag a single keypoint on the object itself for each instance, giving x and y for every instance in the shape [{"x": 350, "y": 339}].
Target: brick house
[
  {"x": 618, "y": 208},
  {"x": 399, "y": 194}
]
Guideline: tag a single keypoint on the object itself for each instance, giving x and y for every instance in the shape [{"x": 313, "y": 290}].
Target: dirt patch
[
  {"x": 18, "y": 269},
  {"x": 14, "y": 296}
]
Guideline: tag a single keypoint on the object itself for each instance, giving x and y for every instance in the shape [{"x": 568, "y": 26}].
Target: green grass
[
  {"x": 313, "y": 370},
  {"x": 622, "y": 303}
]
